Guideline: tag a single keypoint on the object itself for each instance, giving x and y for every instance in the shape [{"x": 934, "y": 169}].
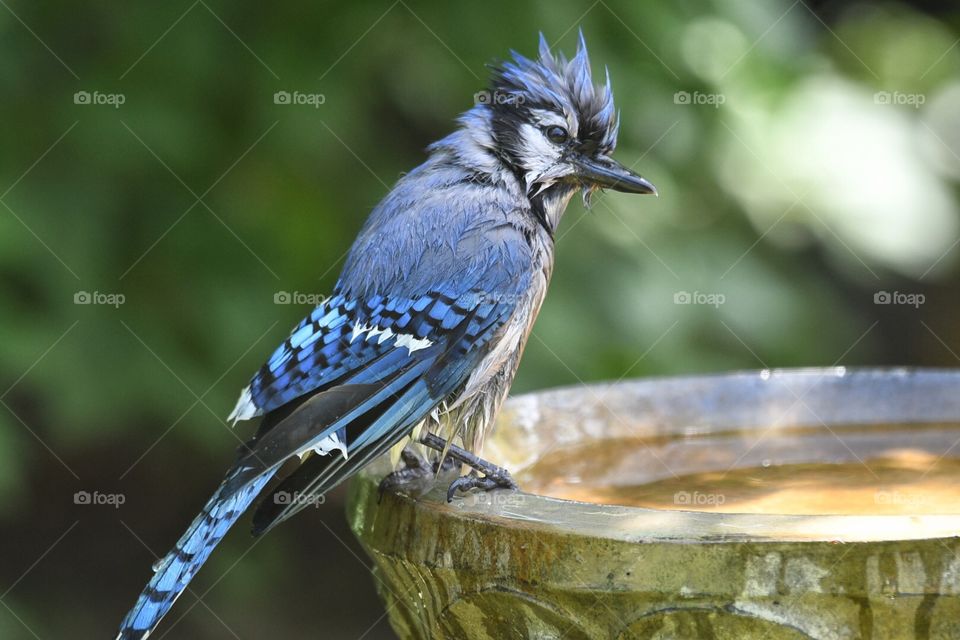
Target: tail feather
[{"x": 174, "y": 571}]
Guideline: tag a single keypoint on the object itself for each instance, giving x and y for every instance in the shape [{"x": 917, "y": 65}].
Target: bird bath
[{"x": 787, "y": 504}]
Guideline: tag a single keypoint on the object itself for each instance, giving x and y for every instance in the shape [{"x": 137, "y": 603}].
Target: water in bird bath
[{"x": 907, "y": 474}]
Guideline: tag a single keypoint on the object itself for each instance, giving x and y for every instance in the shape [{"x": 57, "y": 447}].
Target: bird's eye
[{"x": 557, "y": 135}]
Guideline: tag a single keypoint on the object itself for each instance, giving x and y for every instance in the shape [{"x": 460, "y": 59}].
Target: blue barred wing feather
[{"x": 343, "y": 336}]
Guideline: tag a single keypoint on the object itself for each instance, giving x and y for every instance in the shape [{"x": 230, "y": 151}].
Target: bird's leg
[{"x": 493, "y": 477}]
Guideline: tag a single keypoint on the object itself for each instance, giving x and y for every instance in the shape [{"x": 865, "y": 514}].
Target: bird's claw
[
  {"x": 415, "y": 469},
  {"x": 493, "y": 477},
  {"x": 499, "y": 479}
]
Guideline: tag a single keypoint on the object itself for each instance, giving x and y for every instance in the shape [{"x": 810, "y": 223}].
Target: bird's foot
[
  {"x": 488, "y": 482},
  {"x": 416, "y": 469},
  {"x": 493, "y": 477}
]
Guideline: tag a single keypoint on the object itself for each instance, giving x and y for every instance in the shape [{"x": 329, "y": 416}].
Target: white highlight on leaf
[
  {"x": 245, "y": 408},
  {"x": 410, "y": 341}
]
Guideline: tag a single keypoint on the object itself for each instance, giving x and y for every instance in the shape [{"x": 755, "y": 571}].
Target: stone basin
[{"x": 820, "y": 503}]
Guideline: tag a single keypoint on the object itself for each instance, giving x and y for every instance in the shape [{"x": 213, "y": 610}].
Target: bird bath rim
[{"x": 703, "y": 405}]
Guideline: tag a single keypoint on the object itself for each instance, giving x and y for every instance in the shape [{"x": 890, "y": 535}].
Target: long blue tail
[{"x": 174, "y": 572}]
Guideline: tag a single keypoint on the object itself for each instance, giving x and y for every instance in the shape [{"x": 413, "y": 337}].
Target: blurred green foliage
[{"x": 199, "y": 198}]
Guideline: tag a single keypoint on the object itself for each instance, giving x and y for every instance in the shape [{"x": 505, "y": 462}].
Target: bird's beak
[{"x": 607, "y": 173}]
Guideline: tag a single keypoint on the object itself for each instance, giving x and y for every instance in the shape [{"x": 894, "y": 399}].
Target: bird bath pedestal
[{"x": 788, "y": 504}]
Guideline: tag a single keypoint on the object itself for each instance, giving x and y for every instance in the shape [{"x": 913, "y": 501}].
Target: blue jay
[{"x": 425, "y": 328}]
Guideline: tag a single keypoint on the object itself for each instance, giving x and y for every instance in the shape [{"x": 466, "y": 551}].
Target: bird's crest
[{"x": 554, "y": 83}]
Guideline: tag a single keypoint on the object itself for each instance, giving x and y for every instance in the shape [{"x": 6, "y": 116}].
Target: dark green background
[{"x": 765, "y": 200}]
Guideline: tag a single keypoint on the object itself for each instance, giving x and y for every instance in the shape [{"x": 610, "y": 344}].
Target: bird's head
[{"x": 553, "y": 127}]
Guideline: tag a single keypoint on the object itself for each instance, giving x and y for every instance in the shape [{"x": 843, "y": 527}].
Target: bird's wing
[
  {"x": 345, "y": 335},
  {"x": 333, "y": 340},
  {"x": 467, "y": 337},
  {"x": 423, "y": 350}
]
